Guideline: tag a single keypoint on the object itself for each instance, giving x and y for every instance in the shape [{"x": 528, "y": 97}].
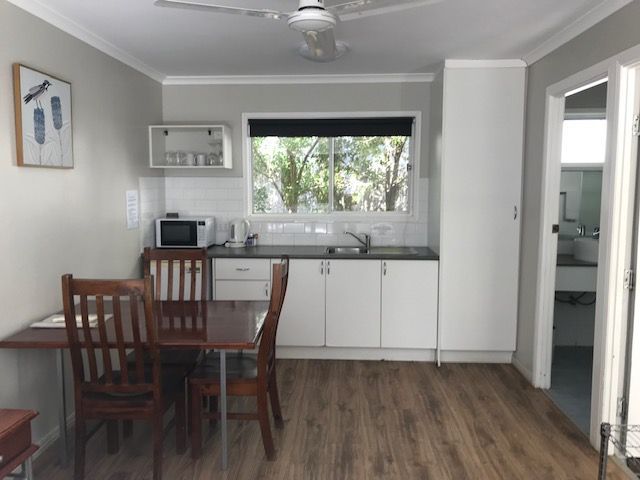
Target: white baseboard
[
  {"x": 526, "y": 372},
  {"x": 391, "y": 354}
]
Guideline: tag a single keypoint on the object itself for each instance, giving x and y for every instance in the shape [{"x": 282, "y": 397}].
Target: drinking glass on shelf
[
  {"x": 180, "y": 158},
  {"x": 170, "y": 158}
]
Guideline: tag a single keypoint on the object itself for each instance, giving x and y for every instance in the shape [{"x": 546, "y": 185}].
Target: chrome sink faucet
[{"x": 366, "y": 242}]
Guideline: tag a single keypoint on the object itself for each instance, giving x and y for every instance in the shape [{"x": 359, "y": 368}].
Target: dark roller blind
[{"x": 331, "y": 127}]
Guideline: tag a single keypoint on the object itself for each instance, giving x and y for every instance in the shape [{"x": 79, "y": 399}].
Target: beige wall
[
  {"x": 58, "y": 221},
  {"x": 226, "y": 103},
  {"x": 609, "y": 37}
]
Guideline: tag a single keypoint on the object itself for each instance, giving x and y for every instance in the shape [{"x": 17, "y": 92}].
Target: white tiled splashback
[
  {"x": 223, "y": 199},
  {"x": 152, "y": 206}
]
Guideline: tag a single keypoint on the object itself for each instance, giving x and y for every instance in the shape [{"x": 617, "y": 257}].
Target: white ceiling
[{"x": 188, "y": 43}]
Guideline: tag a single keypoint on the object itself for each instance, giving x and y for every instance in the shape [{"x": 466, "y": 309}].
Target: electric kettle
[{"x": 239, "y": 233}]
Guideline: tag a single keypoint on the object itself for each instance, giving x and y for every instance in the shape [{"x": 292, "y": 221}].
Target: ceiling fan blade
[
  {"x": 207, "y": 7},
  {"x": 321, "y": 46},
  {"x": 364, "y": 8}
]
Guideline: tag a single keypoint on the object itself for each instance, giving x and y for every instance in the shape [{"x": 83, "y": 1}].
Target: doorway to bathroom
[{"x": 584, "y": 135}]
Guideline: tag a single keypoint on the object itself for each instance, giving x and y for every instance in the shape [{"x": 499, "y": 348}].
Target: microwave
[{"x": 185, "y": 232}]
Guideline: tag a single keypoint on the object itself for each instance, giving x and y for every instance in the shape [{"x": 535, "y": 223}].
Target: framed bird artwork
[{"x": 44, "y": 128}]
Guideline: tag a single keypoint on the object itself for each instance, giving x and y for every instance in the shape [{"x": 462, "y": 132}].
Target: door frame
[{"x": 618, "y": 182}]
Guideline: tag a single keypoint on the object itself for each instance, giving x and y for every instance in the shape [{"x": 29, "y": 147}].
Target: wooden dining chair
[
  {"x": 123, "y": 391},
  {"x": 247, "y": 375}
]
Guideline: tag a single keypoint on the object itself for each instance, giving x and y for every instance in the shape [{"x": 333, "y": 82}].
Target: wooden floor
[{"x": 387, "y": 420}]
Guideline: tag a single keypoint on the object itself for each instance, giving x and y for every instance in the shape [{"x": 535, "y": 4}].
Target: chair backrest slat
[
  {"x": 138, "y": 351},
  {"x": 169, "y": 277},
  {"x": 192, "y": 289},
  {"x": 186, "y": 262},
  {"x": 104, "y": 342},
  {"x": 115, "y": 331},
  {"x": 120, "y": 343},
  {"x": 84, "y": 313}
]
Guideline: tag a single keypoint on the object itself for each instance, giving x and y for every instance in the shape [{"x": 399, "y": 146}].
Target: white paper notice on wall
[{"x": 133, "y": 210}]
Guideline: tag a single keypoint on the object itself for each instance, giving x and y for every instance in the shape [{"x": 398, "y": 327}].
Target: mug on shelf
[{"x": 190, "y": 159}]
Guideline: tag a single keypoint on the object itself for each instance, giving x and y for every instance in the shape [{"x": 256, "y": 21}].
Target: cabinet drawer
[
  {"x": 243, "y": 290},
  {"x": 242, "y": 269}
]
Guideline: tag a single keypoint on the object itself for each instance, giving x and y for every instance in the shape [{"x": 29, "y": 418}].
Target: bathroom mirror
[{"x": 580, "y": 198}]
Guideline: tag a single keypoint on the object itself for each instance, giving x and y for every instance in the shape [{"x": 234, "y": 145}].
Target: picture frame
[{"x": 43, "y": 114}]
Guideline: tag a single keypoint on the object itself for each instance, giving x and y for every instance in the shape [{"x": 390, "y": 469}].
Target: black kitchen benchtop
[{"x": 376, "y": 253}]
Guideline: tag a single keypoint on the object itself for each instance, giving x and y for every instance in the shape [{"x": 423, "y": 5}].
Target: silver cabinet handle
[
  {"x": 384, "y": 268},
  {"x": 515, "y": 212},
  {"x": 322, "y": 267},
  {"x": 328, "y": 267},
  {"x": 242, "y": 269},
  {"x": 266, "y": 290}
]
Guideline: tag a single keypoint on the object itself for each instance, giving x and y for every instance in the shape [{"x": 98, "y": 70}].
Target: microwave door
[{"x": 179, "y": 234}]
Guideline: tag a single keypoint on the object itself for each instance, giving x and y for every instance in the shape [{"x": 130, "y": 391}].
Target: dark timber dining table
[{"x": 206, "y": 325}]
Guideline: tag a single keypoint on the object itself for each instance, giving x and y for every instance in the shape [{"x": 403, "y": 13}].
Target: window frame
[{"x": 414, "y": 175}]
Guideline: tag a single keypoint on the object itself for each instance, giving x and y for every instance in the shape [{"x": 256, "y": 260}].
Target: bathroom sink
[
  {"x": 585, "y": 249},
  {"x": 347, "y": 251}
]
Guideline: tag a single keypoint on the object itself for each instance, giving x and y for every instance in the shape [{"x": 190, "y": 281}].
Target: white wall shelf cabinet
[
  {"x": 302, "y": 319},
  {"x": 166, "y": 142},
  {"x": 409, "y": 304}
]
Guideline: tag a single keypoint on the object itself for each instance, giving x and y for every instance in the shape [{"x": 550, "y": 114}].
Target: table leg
[
  {"x": 27, "y": 469},
  {"x": 223, "y": 407},
  {"x": 62, "y": 409}
]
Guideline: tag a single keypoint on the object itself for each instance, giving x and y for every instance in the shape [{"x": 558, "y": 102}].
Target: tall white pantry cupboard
[{"x": 475, "y": 195}]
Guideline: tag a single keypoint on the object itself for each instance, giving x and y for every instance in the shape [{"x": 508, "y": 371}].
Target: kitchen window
[{"x": 325, "y": 166}]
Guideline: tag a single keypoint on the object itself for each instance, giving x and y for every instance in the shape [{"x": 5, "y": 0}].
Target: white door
[
  {"x": 480, "y": 222},
  {"x": 353, "y": 303},
  {"x": 302, "y": 318},
  {"x": 409, "y": 304}
]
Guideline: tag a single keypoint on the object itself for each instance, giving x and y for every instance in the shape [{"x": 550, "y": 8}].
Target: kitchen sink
[{"x": 347, "y": 251}]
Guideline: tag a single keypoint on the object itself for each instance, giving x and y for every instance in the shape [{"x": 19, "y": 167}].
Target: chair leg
[
  {"x": 196, "y": 421},
  {"x": 127, "y": 428},
  {"x": 180, "y": 416},
  {"x": 81, "y": 432},
  {"x": 265, "y": 427},
  {"x": 275, "y": 400},
  {"x": 158, "y": 433},
  {"x": 113, "y": 440}
]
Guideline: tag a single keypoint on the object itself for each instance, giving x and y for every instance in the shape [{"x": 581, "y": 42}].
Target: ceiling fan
[{"x": 312, "y": 18}]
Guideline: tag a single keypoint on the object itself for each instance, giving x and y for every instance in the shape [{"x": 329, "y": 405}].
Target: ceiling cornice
[
  {"x": 299, "y": 79},
  {"x": 582, "y": 24},
  {"x": 42, "y": 11},
  {"x": 501, "y": 63}
]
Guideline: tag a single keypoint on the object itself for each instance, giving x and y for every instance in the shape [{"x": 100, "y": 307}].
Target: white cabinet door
[
  {"x": 409, "y": 304},
  {"x": 480, "y": 218},
  {"x": 302, "y": 319},
  {"x": 353, "y": 303}
]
